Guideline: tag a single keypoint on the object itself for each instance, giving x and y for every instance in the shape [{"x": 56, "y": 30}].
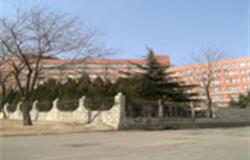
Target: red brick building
[
  {"x": 105, "y": 68},
  {"x": 231, "y": 78}
]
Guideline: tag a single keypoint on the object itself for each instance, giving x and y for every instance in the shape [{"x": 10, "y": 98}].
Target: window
[
  {"x": 216, "y": 82},
  {"x": 243, "y": 64},
  {"x": 232, "y": 73},
  {"x": 233, "y": 88},
  {"x": 217, "y": 98},
  {"x": 234, "y": 80},
  {"x": 217, "y": 90},
  {"x": 234, "y": 96}
]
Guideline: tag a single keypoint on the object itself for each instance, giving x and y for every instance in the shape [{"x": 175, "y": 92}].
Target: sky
[{"x": 170, "y": 27}]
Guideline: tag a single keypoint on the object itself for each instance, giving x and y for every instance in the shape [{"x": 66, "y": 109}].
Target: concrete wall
[{"x": 112, "y": 117}]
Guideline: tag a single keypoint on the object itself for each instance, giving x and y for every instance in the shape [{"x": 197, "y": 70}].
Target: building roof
[
  {"x": 162, "y": 59},
  {"x": 220, "y": 62}
]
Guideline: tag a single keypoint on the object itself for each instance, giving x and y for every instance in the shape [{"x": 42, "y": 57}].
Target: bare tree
[
  {"x": 30, "y": 36},
  {"x": 209, "y": 59},
  {"x": 4, "y": 79}
]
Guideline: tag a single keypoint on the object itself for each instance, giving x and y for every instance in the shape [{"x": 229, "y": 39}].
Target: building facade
[
  {"x": 111, "y": 69},
  {"x": 230, "y": 77}
]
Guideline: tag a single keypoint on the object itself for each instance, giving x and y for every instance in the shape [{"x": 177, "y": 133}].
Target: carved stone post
[
  {"x": 120, "y": 102},
  {"x": 52, "y": 115},
  {"x": 5, "y": 111},
  {"x": 192, "y": 110},
  {"x": 18, "y": 113},
  {"x": 54, "y": 105},
  {"x": 160, "y": 110},
  {"x": 81, "y": 112},
  {"x": 81, "y": 104},
  {"x": 34, "y": 112}
]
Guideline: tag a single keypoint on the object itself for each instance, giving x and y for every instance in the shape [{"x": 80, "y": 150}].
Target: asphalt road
[{"x": 206, "y": 144}]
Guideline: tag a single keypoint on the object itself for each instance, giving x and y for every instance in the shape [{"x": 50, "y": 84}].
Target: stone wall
[
  {"x": 111, "y": 117},
  {"x": 234, "y": 114},
  {"x": 115, "y": 117},
  {"x": 225, "y": 117}
]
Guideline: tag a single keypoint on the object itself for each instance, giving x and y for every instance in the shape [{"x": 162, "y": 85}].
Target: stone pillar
[
  {"x": 160, "y": 113},
  {"x": 81, "y": 104},
  {"x": 80, "y": 114},
  {"x": 34, "y": 112},
  {"x": 160, "y": 108},
  {"x": 5, "y": 111},
  {"x": 192, "y": 110},
  {"x": 53, "y": 114},
  {"x": 120, "y": 102},
  {"x": 2, "y": 115},
  {"x": 18, "y": 107},
  {"x": 115, "y": 117},
  {"x": 54, "y": 105},
  {"x": 18, "y": 113}
]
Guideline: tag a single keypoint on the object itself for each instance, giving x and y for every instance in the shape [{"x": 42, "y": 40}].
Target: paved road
[{"x": 206, "y": 144}]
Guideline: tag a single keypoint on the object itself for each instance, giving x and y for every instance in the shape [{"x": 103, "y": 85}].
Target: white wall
[{"x": 112, "y": 117}]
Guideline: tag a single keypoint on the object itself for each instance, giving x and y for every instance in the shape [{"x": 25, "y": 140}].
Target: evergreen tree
[
  {"x": 100, "y": 95},
  {"x": 129, "y": 87},
  {"x": 109, "y": 88},
  {"x": 157, "y": 83},
  {"x": 96, "y": 88},
  {"x": 47, "y": 91},
  {"x": 83, "y": 84},
  {"x": 68, "y": 90}
]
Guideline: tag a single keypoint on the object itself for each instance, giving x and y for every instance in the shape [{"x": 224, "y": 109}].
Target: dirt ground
[
  {"x": 14, "y": 128},
  {"x": 199, "y": 144}
]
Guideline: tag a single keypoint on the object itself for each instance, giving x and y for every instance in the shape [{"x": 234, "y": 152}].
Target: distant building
[
  {"x": 105, "y": 68},
  {"x": 232, "y": 78}
]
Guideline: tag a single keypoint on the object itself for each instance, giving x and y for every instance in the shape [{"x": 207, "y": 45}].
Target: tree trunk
[
  {"x": 209, "y": 101},
  {"x": 26, "y": 113},
  {"x": 210, "y": 108},
  {"x": 3, "y": 97}
]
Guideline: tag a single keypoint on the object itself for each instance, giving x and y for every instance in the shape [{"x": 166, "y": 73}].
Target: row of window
[
  {"x": 218, "y": 82},
  {"x": 228, "y": 97},
  {"x": 241, "y": 64},
  {"x": 188, "y": 76},
  {"x": 219, "y": 90},
  {"x": 231, "y": 88}
]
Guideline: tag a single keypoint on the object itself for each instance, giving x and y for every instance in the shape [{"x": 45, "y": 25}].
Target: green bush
[{"x": 242, "y": 102}]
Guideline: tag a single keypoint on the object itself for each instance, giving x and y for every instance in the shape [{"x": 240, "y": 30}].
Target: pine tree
[
  {"x": 83, "y": 85},
  {"x": 156, "y": 82}
]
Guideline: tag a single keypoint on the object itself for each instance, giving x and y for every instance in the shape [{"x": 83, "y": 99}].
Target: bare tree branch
[
  {"x": 209, "y": 59},
  {"x": 30, "y": 36}
]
